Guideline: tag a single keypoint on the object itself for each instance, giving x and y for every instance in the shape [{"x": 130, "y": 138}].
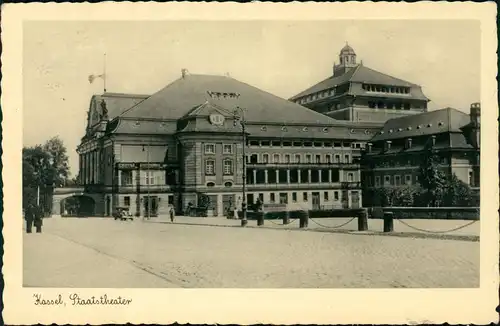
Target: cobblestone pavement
[{"x": 97, "y": 252}]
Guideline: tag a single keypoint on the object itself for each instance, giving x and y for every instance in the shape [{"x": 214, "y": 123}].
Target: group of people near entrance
[
  {"x": 232, "y": 211},
  {"x": 33, "y": 214}
]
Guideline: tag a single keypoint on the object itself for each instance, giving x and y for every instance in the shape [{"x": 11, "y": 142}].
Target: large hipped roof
[{"x": 180, "y": 97}]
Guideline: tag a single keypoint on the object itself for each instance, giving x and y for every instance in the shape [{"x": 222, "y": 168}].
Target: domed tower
[{"x": 347, "y": 59}]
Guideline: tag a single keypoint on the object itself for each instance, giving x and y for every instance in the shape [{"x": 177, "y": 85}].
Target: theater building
[
  {"x": 146, "y": 152},
  {"x": 355, "y": 92},
  {"x": 393, "y": 156}
]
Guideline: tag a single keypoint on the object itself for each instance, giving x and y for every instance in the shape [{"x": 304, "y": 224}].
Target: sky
[{"x": 281, "y": 57}]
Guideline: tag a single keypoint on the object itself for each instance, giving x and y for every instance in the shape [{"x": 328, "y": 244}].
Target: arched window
[
  {"x": 265, "y": 158},
  {"x": 276, "y": 158}
]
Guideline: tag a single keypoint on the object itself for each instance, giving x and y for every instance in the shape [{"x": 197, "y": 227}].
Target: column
[
  {"x": 319, "y": 175},
  {"x": 80, "y": 168},
  {"x": 265, "y": 176},
  {"x": 277, "y": 176},
  {"x": 288, "y": 176},
  {"x": 138, "y": 190},
  {"x": 98, "y": 167},
  {"x": 329, "y": 175},
  {"x": 309, "y": 175},
  {"x": 220, "y": 204},
  {"x": 299, "y": 176},
  {"x": 254, "y": 171}
]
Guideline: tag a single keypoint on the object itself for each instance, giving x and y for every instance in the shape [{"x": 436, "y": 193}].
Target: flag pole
[{"x": 104, "y": 72}]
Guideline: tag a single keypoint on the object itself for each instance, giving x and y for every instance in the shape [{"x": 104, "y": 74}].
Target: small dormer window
[
  {"x": 409, "y": 128},
  {"x": 382, "y": 132},
  {"x": 263, "y": 128},
  {"x": 325, "y": 130},
  {"x": 284, "y": 128},
  {"x": 429, "y": 125},
  {"x": 440, "y": 124},
  {"x": 304, "y": 129},
  {"x": 419, "y": 126},
  {"x": 390, "y": 131},
  {"x": 400, "y": 129},
  {"x": 137, "y": 123}
]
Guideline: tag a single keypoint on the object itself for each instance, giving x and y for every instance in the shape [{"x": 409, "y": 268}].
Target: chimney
[
  {"x": 408, "y": 143},
  {"x": 475, "y": 114},
  {"x": 184, "y": 73}
]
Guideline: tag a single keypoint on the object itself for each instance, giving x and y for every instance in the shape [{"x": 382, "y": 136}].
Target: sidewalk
[{"x": 416, "y": 228}]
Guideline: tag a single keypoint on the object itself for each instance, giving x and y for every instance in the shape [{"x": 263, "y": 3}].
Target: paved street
[{"x": 99, "y": 252}]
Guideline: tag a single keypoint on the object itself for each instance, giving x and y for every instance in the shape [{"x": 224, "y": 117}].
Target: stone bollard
[
  {"x": 304, "y": 219},
  {"x": 363, "y": 220},
  {"x": 388, "y": 221},
  {"x": 286, "y": 218},
  {"x": 260, "y": 218}
]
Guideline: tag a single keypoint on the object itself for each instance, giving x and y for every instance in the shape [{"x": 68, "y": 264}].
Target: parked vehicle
[{"x": 123, "y": 214}]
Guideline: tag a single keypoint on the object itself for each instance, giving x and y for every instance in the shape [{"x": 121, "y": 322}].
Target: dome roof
[{"x": 347, "y": 50}]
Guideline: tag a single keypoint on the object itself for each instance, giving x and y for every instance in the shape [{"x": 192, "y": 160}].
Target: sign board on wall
[{"x": 142, "y": 166}]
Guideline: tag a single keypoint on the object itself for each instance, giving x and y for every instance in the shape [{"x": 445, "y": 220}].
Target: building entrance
[
  {"x": 150, "y": 206},
  {"x": 315, "y": 200}
]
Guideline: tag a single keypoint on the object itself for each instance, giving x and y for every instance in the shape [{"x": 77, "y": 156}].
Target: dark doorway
[
  {"x": 81, "y": 206},
  {"x": 315, "y": 200},
  {"x": 150, "y": 206}
]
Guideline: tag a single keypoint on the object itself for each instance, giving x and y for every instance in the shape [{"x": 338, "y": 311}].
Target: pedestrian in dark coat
[{"x": 28, "y": 216}]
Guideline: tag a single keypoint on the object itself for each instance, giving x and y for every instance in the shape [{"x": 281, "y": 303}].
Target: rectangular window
[
  {"x": 209, "y": 148},
  {"x": 377, "y": 181},
  {"x": 149, "y": 178},
  {"x": 287, "y": 158},
  {"x": 297, "y": 158},
  {"x": 408, "y": 179},
  {"x": 387, "y": 180},
  {"x": 272, "y": 197},
  {"x": 346, "y": 159},
  {"x": 318, "y": 159},
  {"x": 325, "y": 195},
  {"x": 265, "y": 158},
  {"x": 210, "y": 167},
  {"x": 228, "y": 167},
  {"x": 350, "y": 177},
  {"x": 294, "y": 197},
  {"x": 127, "y": 178},
  {"x": 308, "y": 158},
  {"x": 227, "y": 149},
  {"x": 397, "y": 180},
  {"x": 276, "y": 158},
  {"x": 336, "y": 195},
  {"x": 126, "y": 201},
  {"x": 328, "y": 159},
  {"x": 304, "y": 196},
  {"x": 416, "y": 179},
  {"x": 337, "y": 158}
]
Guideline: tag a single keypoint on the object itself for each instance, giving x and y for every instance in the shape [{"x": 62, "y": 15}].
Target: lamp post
[
  {"x": 241, "y": 119},
  {"x": 147, "y": 181}
]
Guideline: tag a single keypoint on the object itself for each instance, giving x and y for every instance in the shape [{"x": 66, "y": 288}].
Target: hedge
[
  {"x": 343, "y": 212},
  {"x": 438, "y": 213}
]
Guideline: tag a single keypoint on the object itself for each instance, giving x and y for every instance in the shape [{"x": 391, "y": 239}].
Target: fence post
[
  {"x": 363, "y": 220},
  {"x": 286, "y": 218},
  {"x": 304, "y": 219},
  {"x": 388, "y": 221},
  {"x": 260, "y": 218}
]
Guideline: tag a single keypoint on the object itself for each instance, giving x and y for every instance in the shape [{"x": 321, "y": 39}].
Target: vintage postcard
[{"x": 300, "y": 163}]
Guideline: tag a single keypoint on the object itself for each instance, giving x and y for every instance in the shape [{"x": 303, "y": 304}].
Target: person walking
[
  {"x": 172, "y": 213},
  {"x": 28, "y": 216}
]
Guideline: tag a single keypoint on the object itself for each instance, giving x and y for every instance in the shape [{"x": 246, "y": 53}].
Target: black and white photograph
[{"x": 265, "y": 154}]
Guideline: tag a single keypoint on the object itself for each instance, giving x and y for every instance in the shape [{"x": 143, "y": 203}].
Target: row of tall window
[
  {"x": 154, "y": 177},
  {"x": 227, "y": 166},
  {"x": 298, "y": 158},
  {"x": 390, "y": 105},
  {"x": 295, "y": 176},
  {"x": 386, "y": 89},
  {"x": 226, "y": 149},
  {"x": 393, "y": 180},
  {"x": 319, "y": 144}
]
